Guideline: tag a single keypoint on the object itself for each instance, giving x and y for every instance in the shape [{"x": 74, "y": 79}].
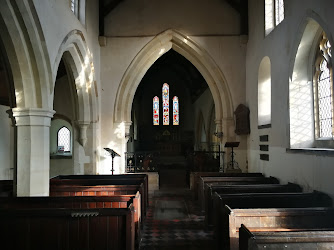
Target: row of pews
[
  {"x": 251, "y": 211},
  {"x": 82, "y": 212}
]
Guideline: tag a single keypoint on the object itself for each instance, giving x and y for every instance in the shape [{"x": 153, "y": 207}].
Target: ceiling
[{"x": 241, "y": 6}]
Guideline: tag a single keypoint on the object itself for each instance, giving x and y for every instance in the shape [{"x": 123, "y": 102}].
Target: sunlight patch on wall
[{"x": 301, "y": 115}]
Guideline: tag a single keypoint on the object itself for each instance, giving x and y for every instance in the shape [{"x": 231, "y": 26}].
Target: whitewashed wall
[{"x": 312, "y": 171}]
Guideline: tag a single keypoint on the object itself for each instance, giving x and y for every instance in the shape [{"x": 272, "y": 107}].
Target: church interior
[{"x": 169, "y": 109}]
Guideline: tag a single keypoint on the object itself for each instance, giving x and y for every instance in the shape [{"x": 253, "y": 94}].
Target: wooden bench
[
  {"x": 228, "y": 219},
  {"x": 98, "y": 187},
  {"x": 92, "y": 180},
  {"x": 195, "y": 177},
  {"x": 6, "y": 188},
  {"x": 104, "y": 191},
  {"x": 230, "y": 181},
  {"x": 67, "y": 229},
  {"x": 308, "y": 239},
  {"x": 210, "y": 189},
  {"x": 79, "y": 202}
]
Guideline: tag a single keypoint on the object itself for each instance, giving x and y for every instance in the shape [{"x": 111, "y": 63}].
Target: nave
[{"x": 174, "y": 221}]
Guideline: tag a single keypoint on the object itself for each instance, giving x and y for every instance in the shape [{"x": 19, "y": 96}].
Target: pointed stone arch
[
  {"x": 77, "y": 56},
  {"x": 182, "y": 44},
  {"x": 79, "y": 62},
  {"x": 25, "y": 46}
]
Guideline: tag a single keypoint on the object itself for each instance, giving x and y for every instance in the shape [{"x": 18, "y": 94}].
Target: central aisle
[{"x": 174, "y": 222}]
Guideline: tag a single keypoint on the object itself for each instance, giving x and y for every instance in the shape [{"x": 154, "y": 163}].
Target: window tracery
[{"x": 323, "y": 90}]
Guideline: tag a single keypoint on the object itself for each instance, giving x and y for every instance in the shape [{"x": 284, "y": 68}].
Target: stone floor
[{"x": 174, "y": 222}]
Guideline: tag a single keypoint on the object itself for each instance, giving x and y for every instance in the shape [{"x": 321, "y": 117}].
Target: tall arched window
[
  {"x": 175, "y": 110},
  {"x": 323, "y": 90},
  {"x": 165, "y": 103},
  {"x": 64, "y": 139},
  {"x": 156, "y": 110}
]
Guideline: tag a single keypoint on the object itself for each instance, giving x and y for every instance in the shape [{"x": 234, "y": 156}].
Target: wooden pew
[
  {"x": 63, "y": 187},
  {"x": 67, "y": 229},
  {"x": 6, "y": 188},
  {"x": 230, "y": 181},
  {"x": 122, "y": 179},
  {"x": 104, "y": 191},
  {"x": 312, "y": 239},
  {"x": 79, "y": 202},
  {"x": 195, "y": 177},
  {"x": 226, "y": 205},
  {"x": 210, "y": 189}
]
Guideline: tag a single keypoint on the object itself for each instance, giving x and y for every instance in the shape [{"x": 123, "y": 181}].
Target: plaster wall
[
  {"x": 213, "y": 25},
  {"x": 148, "y": 18},
  {"x": 309, "y": 169},
  {"x": 57, "y": 20},
  {"x": 6, "y": 145}
]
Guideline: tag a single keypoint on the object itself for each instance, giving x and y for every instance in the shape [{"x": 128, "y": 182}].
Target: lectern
[
  {"x": 113, "y": 154},
  {"x": 232, "y": 163}
]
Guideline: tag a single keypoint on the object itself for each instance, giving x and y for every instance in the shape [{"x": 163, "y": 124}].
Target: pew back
[
  {"x": 67, "y": 229},
  {"x": 273, "y": 219},
  {"x": 230, "y": 181},
  {"x": 78, "y": 202},
  {"x": 195, "y": 176},
  {"x": 319, "y": 239},
  {"x": 69, "y": 189},
  {"x": 210, "y": 189},
  {"x": 93, "y": 180}
]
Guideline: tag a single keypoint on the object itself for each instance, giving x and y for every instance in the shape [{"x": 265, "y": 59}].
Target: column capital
[
  {"x": 83, "y": 125},
  {"x": 33, "y": 116}
]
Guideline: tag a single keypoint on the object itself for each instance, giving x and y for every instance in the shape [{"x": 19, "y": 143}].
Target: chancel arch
[
  {"x": 203, "y": 62},
  {"x": 182, "y": 44}
]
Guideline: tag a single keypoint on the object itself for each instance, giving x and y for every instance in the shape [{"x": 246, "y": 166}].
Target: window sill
[
  {"x": 61, "y": 156},
  {"x": 264, "y": 126},
  {"x": 312, "y": 151}
]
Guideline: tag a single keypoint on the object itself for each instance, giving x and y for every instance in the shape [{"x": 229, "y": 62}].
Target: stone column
[{"x": 33, "y": 150}]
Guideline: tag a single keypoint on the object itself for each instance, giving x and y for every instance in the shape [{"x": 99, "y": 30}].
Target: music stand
[
  {"x": 232, "y": 145},
  {"x": 113, "y": 154}
]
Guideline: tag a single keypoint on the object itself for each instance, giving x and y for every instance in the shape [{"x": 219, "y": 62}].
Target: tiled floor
[{"x": 174, "y": 222}]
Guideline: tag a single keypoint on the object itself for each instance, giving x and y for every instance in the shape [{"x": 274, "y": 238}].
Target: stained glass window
[
  {"x": 64, "y": 138},
  {"x": 165, "y": 103},
  {"x": 324, "y": 91},
  {"x": 175, "y": 110},
  {"x": 156, "y": 110}
]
